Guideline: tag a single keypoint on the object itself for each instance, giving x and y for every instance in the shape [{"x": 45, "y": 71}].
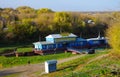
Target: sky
[{"x": 65, "y": 5}]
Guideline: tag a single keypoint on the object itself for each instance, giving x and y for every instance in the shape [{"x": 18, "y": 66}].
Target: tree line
[{"x": 25, "y": 24}]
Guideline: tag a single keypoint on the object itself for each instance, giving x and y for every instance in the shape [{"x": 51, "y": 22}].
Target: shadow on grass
[{"x": 9, "y": 72}]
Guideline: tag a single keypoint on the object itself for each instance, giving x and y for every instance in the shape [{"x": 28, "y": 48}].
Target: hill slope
[
  {"x": 96, "y": 65},
  {"x": 90, "y": 65}
]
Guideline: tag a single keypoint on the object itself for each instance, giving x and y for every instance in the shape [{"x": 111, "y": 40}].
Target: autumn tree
[
  {"x": 26, "y": 12},
  {"x": 26, "y": 23},
  {"x": 44, "y": 10},
  {"x": 24, "y": 30},
  {"x": 62, "y": 21},
  {"x": 44, "y": 24},
  {"x": 113, "y": 34}
]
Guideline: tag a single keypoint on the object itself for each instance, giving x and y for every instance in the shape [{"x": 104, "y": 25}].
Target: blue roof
[
  {"x": 51, "y": 61},
  {"x": 81, "y": 39}
]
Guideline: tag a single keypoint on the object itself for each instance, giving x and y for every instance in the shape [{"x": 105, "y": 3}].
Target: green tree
[{"x": 24, "y": 31}]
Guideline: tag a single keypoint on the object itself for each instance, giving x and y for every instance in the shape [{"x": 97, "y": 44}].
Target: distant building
[{"x": 90, "y": 22}]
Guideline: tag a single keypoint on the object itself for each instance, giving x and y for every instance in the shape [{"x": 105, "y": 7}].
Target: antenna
[{"x": 39, "y": 37}]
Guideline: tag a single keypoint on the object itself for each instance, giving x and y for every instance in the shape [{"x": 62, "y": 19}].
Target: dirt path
[
  {"x": 97, "y": 58},
  {"x": 28, "y": 70},
  {"x": 91, "y": 60}
]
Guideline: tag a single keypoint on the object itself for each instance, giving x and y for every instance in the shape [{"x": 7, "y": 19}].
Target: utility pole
[{"x": 39, "y": 37}]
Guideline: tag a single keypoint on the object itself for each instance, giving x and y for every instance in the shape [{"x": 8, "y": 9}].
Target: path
[
  {"x": 28, "y": 70},
  {"x": 81, "y": 66}
]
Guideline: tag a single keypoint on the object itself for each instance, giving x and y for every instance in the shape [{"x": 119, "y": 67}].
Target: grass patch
[
  {"x": 103, "y": 67},
  {"x": 68, "y": 69},
  {"x": 107, "y": 66},
  {"x": 14, "y": 61},
  {"x": 20, "y": 48}
]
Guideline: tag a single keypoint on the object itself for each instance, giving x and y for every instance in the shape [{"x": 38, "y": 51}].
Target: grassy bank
[{"x": 85, "y": 66}]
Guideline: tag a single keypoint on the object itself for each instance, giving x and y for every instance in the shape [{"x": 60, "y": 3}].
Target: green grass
[
  {"x": 72, "y": 68},
  {"x": 20, "y": 48},
  {"x": 103, "y": 67},
  {"x": 14, "y": 61}
]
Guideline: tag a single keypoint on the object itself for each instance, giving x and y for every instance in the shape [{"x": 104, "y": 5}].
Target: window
[
  {"x": 50, "y": 46},
  {"x": 95, "y": 42},
  {"x": 81, "y": 43},
  {"x": 59, "y": 45},
  {"x": 44, "y": 46}
]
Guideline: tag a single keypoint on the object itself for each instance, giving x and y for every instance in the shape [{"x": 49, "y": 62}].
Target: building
[
  {"x": 56, "y": 43},
  {"x": 97, "y": 42}
]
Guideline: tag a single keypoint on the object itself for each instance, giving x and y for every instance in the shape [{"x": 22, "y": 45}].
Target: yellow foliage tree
[
  {"x": 0, "y": 66},
  {"x": 113, "y": 33}
]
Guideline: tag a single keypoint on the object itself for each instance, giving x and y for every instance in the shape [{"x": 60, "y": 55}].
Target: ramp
[{"x": 74, "y": 50}]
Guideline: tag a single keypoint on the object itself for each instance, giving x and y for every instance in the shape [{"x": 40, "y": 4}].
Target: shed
[{"x": 50, "y": 66}]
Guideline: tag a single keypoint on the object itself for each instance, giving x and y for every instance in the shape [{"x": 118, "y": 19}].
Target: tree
[
  {"x": 44, "y": 23},
  {"x": 113, "y": 33},
  {"x": 25, "y": 9},
  {"x": 26, "y": 12},
  {"x": 62, "y": 21},
  {"x": 44, "y": 10},
  {"x": 24, "y": 31}
]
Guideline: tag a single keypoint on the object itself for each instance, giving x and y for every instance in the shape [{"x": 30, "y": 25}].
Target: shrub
[
  {"x": 113, "y": 33},
  {"x": 0, "y": 66}
]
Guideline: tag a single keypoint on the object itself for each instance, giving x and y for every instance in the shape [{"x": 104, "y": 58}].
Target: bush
[
  {"x": 113, "y": 33},
  {"x": 0, "y": 66}
]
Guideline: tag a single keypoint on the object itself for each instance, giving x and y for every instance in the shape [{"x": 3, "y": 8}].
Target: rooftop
[
  {"x": 43, "y": 42},
  {"x": 60, "y": 36},
  {"x": 81, "y": 39},
  {"x": 99, "y": 38}
]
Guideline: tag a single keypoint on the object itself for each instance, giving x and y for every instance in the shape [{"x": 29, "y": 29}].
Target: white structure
[{"x": 50, "y": 66}]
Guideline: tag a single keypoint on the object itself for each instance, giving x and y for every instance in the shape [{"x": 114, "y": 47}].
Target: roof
[
  {"x": 43, "y": 42},
  {"x": 72, "y": 35},
  {"x": 60, "y": 36},
  {"x": 99, "y": 38},
  {"x": 54, "y": 36},
  {"x": 81, "y": 39},
  {"x": 51, "y": 61}
]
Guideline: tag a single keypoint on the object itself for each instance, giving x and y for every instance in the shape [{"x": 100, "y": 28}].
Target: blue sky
[{"x": 65, "y": 5}]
